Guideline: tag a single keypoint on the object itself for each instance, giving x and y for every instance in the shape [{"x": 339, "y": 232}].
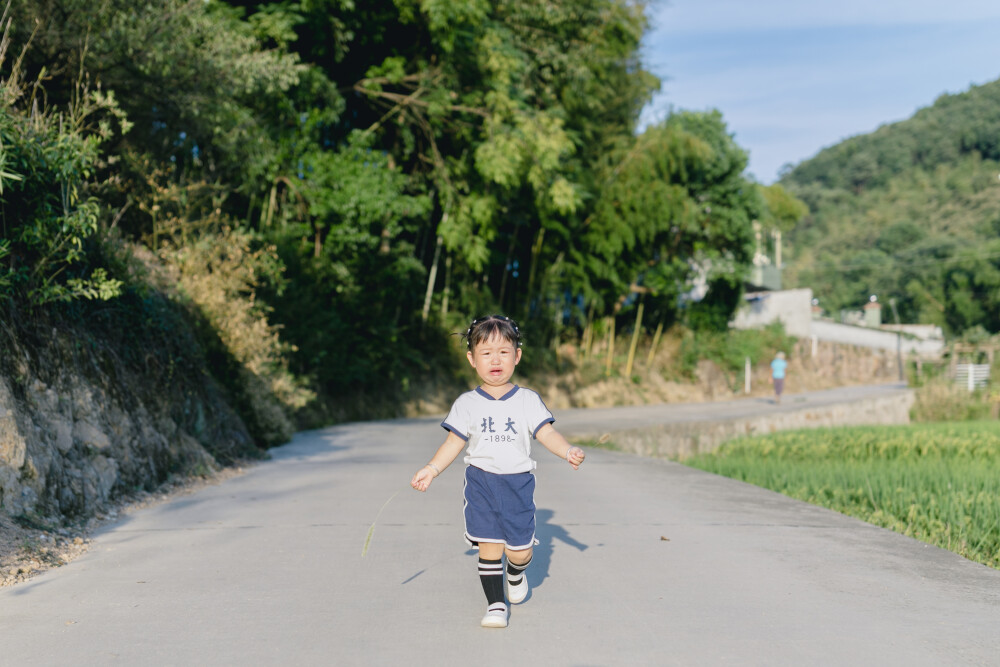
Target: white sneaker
[
  {"x": 496, "y": 616},
  {"x": 517, "y": 592}
]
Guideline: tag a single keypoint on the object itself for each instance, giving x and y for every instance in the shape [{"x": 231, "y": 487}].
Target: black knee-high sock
[
  {"x": 515, "y": 571},
  {"x": 491, "y": 574}
]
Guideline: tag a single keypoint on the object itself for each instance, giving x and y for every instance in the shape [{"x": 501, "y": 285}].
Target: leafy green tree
[
  {"x": 496, "y": 104},
  {"x": 782, "y": 210},
  {"x": 205, "y": 99},
  {"x": 348, "y": 267},
  {"x": 677, "y": 207}
]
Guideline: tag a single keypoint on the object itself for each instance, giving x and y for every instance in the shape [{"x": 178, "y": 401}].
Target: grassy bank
[{"x": 938, "y": 483}]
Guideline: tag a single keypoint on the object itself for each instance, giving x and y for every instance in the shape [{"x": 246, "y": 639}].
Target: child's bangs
[{"x": 495, "y": 326}]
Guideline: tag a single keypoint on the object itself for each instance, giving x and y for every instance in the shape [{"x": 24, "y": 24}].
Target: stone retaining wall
[
  {"x": 78, "y": 431},
  {"x": 682, "y": 439}
]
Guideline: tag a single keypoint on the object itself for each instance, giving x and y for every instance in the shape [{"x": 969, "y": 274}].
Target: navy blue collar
[{"x": 485, "y": 394}]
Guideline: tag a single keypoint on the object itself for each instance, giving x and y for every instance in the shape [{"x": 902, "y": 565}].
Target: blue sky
[{"x": 792, "y": 77}]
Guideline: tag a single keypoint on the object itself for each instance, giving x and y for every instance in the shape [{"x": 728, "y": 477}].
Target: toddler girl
[{"x": 496, "y": 422}]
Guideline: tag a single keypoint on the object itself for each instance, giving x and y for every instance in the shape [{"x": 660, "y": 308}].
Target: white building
[{"x": 794, "y": 309}]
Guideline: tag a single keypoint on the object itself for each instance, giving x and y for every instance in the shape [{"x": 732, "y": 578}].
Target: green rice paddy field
[{"x": 939, "y": 483}]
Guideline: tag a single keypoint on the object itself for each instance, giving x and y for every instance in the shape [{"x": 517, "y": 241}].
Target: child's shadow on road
[{"x": 547, "y": 532}]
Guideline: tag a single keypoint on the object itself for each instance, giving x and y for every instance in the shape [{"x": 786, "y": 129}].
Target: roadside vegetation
[
  {"x": 936, "y": 482},
  {"x": 323, "y": 191},
  {"x": 941, "y": 400}
]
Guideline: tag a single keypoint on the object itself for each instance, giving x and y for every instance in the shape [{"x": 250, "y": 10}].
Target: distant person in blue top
[{"x": 778, "y": 367}]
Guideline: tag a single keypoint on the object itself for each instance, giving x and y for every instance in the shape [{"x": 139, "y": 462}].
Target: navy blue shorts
[{"x": 500, "y": 508}]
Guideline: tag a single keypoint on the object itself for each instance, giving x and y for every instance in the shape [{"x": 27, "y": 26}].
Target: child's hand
[
  {"x": 422, "y": 480},
  {"x": 575, "y": 456}
]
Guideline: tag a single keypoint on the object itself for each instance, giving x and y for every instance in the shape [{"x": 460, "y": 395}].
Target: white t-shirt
[{"x": 498, "y": 431}]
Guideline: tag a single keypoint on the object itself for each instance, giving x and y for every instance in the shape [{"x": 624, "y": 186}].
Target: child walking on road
[{"x": 497, "y": 421}]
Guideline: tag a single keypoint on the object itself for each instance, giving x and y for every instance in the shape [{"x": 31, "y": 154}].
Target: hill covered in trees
[{"x": 909, "y": 212}]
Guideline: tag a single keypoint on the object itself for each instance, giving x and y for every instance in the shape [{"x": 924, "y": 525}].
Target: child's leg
[
  {"x": 491, "y": 576},
  {"x": 522, "y": 557},
  {"x": 491, "y": 550},
  {"x": 519, "y": 531},
  {"x": 491, "y": 571},
  {"x": 517, "y": 563}
]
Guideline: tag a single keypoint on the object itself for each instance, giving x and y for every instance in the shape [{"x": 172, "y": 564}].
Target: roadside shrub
[
  {"x": 47, "y": 157},
  {"x": 729, "y": 349},
  {"x": 219, "y": 274},
  {"x": 941, "y": 400}
]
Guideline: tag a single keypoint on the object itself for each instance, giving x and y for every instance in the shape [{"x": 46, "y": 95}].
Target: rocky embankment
[{"x": 83, "y": 431}]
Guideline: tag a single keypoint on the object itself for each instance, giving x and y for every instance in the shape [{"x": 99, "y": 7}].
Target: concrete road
[
  {"x": 592, "y": 420},
  {"x": 641, "y": 562}
]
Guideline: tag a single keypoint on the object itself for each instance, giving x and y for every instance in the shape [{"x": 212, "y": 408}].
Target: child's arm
[
  {"x": 445, "y": 454},
  {"x": 557, "y": 444}
]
